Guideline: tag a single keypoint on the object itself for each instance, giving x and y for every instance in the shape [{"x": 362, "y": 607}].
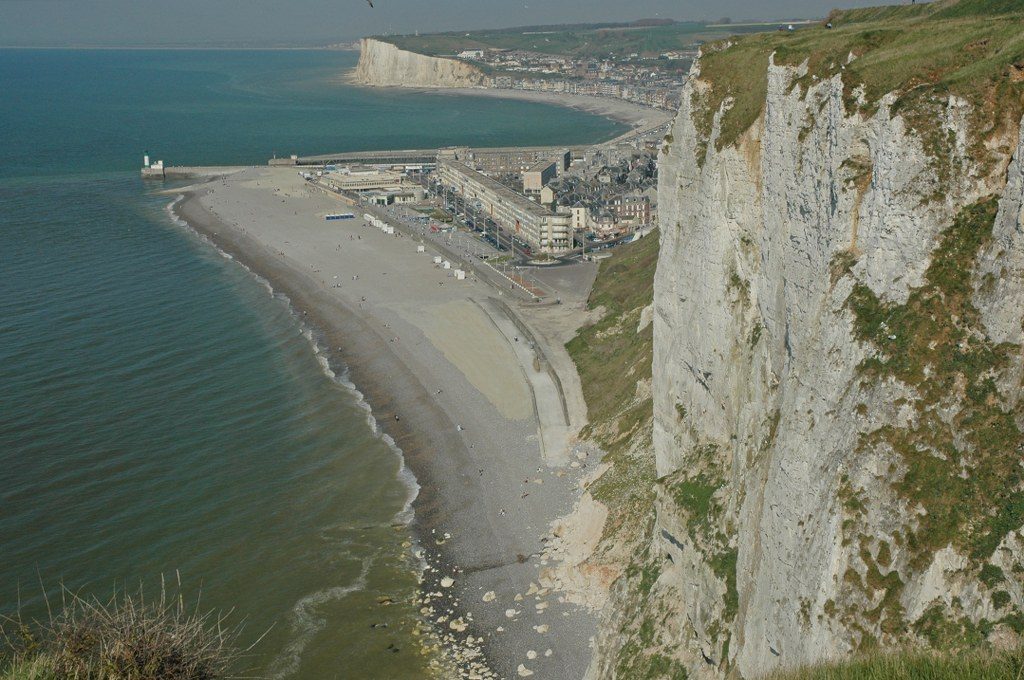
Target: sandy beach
[
  {"x": 452, "y": 380},
  {"x": 608, "y": 107}
]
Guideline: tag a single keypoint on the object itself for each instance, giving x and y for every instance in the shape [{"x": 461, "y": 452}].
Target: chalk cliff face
[
  {"x": 837, "y": 377},
  {"x": 382, "y": 64}
]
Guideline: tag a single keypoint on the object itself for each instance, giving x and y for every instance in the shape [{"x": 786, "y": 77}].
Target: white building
[
  {"x": 580, "y": 218},
  {"x": 545, "y": 231}
]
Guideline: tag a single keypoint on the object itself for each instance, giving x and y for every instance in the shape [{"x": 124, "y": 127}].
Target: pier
[{"x": 189, "y": 172}]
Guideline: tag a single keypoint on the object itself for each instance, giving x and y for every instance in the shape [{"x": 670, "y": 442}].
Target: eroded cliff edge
[
  {"x": 837, "y": 370},
  {"x": 382, "y": 64}
]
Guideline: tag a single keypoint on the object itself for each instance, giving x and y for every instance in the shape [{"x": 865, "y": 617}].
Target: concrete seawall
[{"x": 190, "y": 172}]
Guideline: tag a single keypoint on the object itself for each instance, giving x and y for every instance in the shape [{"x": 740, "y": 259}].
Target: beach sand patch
[{"x": 469, "y": 340}]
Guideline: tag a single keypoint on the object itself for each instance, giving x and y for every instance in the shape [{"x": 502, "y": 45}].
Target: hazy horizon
[{"x": 112, "y": 23}]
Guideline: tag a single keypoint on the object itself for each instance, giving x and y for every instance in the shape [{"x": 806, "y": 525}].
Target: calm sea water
[{"x": 160, "y": 411}]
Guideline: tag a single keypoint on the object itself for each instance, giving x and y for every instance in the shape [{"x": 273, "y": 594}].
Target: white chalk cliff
[
  {"x": 382, "y": 64},
  {"x": 797, "y": 412}
]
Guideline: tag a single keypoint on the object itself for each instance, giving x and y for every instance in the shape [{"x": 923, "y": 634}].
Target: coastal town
[
  {"x": 651, "y": 81},
  {"x": 530, "y": 205}
]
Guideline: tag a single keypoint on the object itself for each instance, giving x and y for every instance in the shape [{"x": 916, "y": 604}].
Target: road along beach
[{"x": 457, "y": 387}]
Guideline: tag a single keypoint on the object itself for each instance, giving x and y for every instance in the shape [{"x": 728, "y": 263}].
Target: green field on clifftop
[
  {"x": 585, "y": 41},
  {"x": 923, "y": 53}
]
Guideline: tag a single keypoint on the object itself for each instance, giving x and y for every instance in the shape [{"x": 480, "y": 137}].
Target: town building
[
  {"x": 364, "y": 180},
  {"x": 632, "y": 208},
  {"x": 538, "y": 176},
  {"x": 547, "y": 195},
  {"x": 542, "y": 229},
  {"x": 508, "y": 160},
  {"x": 580, "y": 218}
]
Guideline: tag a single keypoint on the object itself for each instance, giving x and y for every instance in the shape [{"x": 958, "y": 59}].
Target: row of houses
[
  {"x": 658, "y": 97},
  {"x": 623, "y": 215}
]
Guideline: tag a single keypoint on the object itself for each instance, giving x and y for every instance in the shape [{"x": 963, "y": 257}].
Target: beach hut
[
  {"x": 421, "y": 249},
  {"x": 460, "y": 275},
  {"x": 446, "y": 264},
  {"x": 437, "y": 259}
]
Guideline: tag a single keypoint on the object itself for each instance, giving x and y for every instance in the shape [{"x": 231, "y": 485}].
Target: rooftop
[{"x": 540, "y": 166}]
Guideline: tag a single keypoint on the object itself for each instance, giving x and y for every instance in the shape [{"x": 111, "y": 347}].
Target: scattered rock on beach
[
  {"x": 509, "y": 613},
  {"x": 447, "y": 582},
  {"x": 531, "y": 655},
  {"x": 489, "y": 596},
  {"x": 523, "y": 671}
]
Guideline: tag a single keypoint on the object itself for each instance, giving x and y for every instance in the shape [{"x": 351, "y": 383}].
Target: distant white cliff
[{"x": 382, "y": 64}]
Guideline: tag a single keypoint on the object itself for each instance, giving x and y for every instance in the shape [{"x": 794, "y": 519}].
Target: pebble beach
[{"x": 433, "y": 358}]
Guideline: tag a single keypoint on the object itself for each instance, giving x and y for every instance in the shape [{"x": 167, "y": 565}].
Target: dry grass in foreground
[
  {"x": 124, "y": 638},
  {"x": 917, "y": 666}
]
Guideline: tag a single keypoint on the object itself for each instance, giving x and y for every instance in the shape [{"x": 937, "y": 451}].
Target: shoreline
[
  {"x": 484, "y": 550},
  {"x": 349, "y": 344},
  {"x": 638, "y": 117}
]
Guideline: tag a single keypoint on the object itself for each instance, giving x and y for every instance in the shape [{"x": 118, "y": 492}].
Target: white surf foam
[
  {"x": 306, "y": 621},
  {"x": 404, "y": 474}
]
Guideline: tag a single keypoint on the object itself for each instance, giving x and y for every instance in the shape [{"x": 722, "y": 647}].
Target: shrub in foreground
[{"x": 123, "y": 638}]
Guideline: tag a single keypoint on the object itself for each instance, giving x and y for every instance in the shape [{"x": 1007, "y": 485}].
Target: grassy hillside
[
  {"x": 613, "y": 357},
  {"x": 577, "y": 41},
  {"x": 972, "y": 48}
]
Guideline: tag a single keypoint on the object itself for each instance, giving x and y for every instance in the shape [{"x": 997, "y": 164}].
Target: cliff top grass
[
  {"x": 971, "y": 48},
  {"x": 584, "y": 41}
]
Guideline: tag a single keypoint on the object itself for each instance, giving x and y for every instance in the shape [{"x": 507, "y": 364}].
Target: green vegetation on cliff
[
  {"x": 613, "y": 358},
  {"x": 961, "y": 456},
  {"x": 973, "y": 49}
]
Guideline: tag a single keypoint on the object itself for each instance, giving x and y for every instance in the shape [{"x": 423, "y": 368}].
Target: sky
[{"x": 161, "y": 22}]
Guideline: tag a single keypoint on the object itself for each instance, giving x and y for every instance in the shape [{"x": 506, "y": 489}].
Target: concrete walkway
[{"x": 553, "y": 426}]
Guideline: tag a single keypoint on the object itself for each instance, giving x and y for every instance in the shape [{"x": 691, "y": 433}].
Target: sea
[{"x": 165, "y": 418}]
